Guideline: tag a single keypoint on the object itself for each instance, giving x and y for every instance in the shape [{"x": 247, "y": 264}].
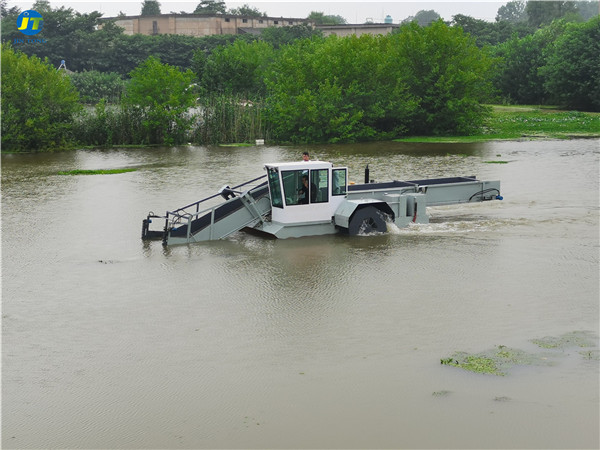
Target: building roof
[{"x": 205, "y": 15}]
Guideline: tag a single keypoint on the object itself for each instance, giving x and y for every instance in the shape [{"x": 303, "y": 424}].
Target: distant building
[
  {"x": 200, "y": 24},
  {"x": 358, "y": 30}
]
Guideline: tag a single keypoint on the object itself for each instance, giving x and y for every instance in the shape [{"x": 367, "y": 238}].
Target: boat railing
[
  {"x": 184, "y": 214},
  {"x": 188, "y": 213}
]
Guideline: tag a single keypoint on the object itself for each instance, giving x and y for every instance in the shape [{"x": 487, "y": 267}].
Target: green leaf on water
[{"x": 95, "y": 172}]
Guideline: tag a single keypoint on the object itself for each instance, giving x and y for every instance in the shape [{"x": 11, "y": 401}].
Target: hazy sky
[{"x": 352, "y": 11}]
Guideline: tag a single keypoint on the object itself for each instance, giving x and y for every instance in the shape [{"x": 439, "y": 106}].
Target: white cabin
[{"x": 327, "y": 187}]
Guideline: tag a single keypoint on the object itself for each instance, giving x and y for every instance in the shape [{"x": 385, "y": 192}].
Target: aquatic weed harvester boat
[{"x": 310, "y": 198}]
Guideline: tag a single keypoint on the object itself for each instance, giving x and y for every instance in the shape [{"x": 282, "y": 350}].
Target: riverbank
[
  {"x": 527, "y": 122},
  {"x": 511, "y": 122}
]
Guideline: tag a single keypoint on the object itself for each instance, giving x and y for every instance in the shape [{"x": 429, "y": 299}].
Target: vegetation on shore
[
  {"x": 527, "y": 122},
  {"x": 430, "y": 82}
]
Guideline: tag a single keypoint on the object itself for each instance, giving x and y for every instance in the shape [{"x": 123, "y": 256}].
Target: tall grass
[
  {"x": 108, "y": 125},
  {"x": 218, "y": 119},
  {"x": 229, "y": 119}
]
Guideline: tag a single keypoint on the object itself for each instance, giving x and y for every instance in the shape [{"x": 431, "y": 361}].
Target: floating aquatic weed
[
  {"x": 572, "y": 339},
  {"x": 95, "y": 172},
  {"x": 494, "y": 362},
  {"x": 237, "y": 144},
  {"x": 478, "y": 364}
]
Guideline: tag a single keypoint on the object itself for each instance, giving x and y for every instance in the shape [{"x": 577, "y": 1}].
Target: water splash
[{"x": 454, "y": 227}]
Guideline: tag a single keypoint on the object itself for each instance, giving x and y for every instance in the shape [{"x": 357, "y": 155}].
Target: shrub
[{"x": 38, "y": 104}]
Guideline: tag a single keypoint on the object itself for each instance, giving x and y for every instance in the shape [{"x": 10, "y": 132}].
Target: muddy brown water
[{"x": 325, "y": 342}]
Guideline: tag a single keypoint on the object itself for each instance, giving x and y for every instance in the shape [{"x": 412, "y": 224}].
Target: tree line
[
  {"x": 291, "y": 84},
  {"x": 216, "y": 7}
]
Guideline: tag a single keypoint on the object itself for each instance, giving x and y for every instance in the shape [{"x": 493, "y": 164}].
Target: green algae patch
[
  {"x": 237, "y": 144},
  {"x": 96, "y": 172},
  {"x": 480, "y": 363},
  {"x": 574, "y": 339},
  {"x": 496, "y": 162},
  {"x": 493, "y": 362},
  {"x": 498, "y": 361}
]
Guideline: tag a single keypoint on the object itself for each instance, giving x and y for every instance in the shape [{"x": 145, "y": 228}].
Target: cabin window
[
  {"x": 244, "y": 20},
  {"x": 319, "y": 185},
  {"x": 293, "y": 187},
  {"x": 302, "y": 187},
  {"x": 275, "y": 189},
  {"x": 338, "y": 184}
]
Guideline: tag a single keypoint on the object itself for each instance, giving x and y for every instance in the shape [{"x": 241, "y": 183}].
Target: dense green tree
[
  {"x": 423, "y": 17},
  {"x": 518, "y": 79},
  {"x": 247, "y": 11},
  {"x": 320, "y": 18},
  {"x": 100, "y": 49},
  {"x": 94, "y": 86},
  {"x": 512, "y": 12},
  {"x": 572, "y": 69},
  {"x": 238, "y": 68},
  {"x": 280, "y": 36},
  {"x": 337, "y": 89},
  {"x": 38, "y": 104},
  {"x": 544, "y": 12},
  {"x": 422, "y": 80},
  {"x": 163, "y": 94},
  {"x": 208, "y": 44},
  {"x": 447, "y": 75},
  {"x": 490, "y": 33},
  {"x": 9, "y": 24},
  {"x": 211, "y": 7},
  {"x": 150, "y": 8},
  {"x": 122, "y": 53}
]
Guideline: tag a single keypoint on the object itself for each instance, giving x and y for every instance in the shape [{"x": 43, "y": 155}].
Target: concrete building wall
[
  {"x": 202, "y": 25},
  {"x": 198, "y": 25},
  {"x": 357, "y": 30}
]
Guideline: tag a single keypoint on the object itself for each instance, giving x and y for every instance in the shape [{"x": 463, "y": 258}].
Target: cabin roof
[{"x": 300, "y": 165}]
